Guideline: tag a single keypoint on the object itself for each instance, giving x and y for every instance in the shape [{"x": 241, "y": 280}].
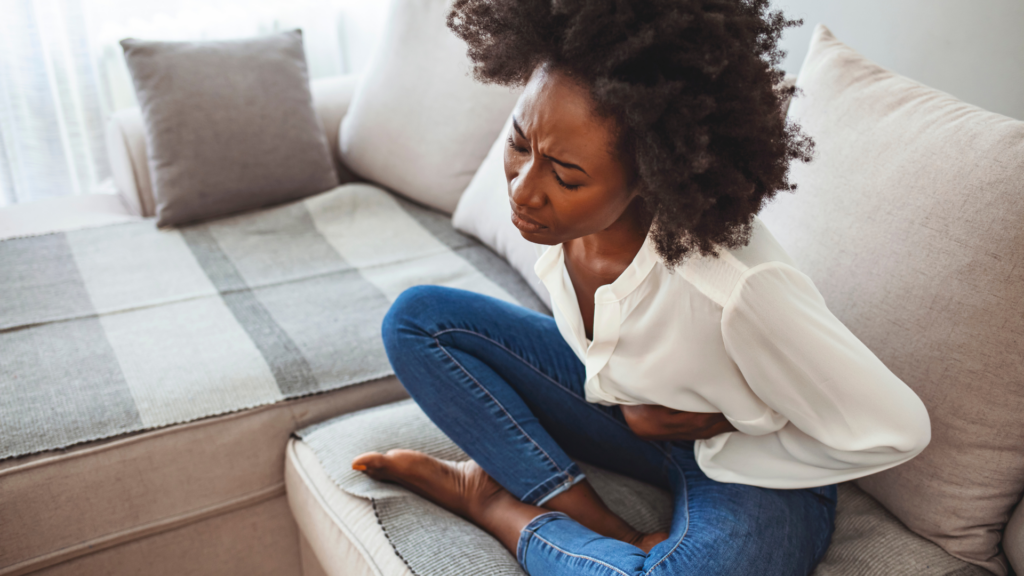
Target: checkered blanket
[{"x": 128, "y": 327}]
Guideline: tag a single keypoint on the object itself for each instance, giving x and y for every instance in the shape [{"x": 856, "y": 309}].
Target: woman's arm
[
  {"x": 654, "y": 422},
  {"x": 848, "y": 414}
]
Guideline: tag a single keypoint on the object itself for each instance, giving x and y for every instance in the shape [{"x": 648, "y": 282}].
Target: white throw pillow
[
  {"x": 484, "y": 212},
  {"x": 419, "y": 123}
]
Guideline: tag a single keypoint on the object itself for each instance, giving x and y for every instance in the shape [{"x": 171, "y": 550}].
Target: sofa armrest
[
  {"x": 126, "y": 142},
  {"x": 62, "y": 214}
]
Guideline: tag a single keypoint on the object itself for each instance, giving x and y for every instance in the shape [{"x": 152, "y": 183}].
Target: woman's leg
[
  {"x": 499, "y": 380},
  {"x": 717, "y": 530}
]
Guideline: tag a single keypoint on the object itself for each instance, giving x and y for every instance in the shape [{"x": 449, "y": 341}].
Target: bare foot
[
  {"x": 460, "y": 487},
  {"x": 465, "y": 489}
]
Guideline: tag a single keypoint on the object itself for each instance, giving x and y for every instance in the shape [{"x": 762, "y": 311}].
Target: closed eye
[
  {"x": 512, "y": 145},
  {"x": 563, "y": 184}
]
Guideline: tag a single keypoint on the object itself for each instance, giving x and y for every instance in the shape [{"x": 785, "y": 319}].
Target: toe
[{"x": 368, "y": 462}]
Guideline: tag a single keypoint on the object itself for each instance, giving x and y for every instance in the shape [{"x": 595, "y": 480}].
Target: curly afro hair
[{"x": 692, "y": 84}]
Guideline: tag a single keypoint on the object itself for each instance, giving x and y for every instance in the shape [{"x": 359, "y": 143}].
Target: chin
[
  {"x": 539, "y": 239},
  {"x": 543, "y": 239}
]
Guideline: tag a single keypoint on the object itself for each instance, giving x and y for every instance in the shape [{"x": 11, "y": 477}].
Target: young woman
[{"x": 685, "y": 349}]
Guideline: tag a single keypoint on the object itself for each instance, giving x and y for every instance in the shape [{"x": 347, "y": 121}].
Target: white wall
[{"x": 972, "y": 49}]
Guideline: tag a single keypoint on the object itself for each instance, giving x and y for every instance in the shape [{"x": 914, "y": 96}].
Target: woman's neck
[{"x": 606, "y": 254}]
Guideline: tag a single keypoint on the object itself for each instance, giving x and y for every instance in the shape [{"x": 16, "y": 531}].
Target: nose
[{"x": 522, "y": 188}]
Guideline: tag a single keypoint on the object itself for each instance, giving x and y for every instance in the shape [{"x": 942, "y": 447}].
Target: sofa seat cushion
[
  {"x": 356, "y": 525},
  {"x": 128, "y": 327}
]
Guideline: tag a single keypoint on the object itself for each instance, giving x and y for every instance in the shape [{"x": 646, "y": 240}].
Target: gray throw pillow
[{"x": 230, "y": 124}]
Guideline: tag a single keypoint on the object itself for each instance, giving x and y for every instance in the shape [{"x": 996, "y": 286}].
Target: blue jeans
[{"x": 501, "y": 382}]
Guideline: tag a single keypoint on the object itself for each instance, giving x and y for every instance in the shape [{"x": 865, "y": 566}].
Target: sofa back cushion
[
  {"x": 419, "y": 124},
  {"x": 229, "y": 124},
  {"x": 910, "y": 220}
]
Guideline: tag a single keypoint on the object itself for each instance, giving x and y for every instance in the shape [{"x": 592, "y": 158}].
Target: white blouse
[{"x": 747, "y": 335}]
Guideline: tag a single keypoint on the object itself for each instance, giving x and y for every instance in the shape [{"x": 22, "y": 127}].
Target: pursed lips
[{"x": 525, "y": 223}]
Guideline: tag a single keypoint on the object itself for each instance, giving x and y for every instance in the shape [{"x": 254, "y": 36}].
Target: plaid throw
[{"x": 122, "y": 328}]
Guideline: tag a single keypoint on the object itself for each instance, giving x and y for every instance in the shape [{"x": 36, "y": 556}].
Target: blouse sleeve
[{"x": 848, "y": 415}]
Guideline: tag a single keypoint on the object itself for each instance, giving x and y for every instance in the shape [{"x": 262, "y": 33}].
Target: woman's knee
[
  {"x": 406, "y": 313},
  {"x": 418, "y": 312}
]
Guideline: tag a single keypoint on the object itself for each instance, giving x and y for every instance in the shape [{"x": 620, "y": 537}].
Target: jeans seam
[
  {"x": 495, "y": 400},
  {"x": 562, "y": 486},
  {"x": 567, "y": 553},
  {"x": 535, "y": 369},
  {"x": 548, "y": 479},
  {"x": 686, "y": 496}
]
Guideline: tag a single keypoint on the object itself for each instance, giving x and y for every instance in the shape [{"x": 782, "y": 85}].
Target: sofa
[{"x": 259, "y": 485}]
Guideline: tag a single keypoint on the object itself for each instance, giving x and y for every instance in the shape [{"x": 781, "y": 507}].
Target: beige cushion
[
  {"x": 230, "y": 124},
  {"x": 419, "y": 124},
  {"x": 870, "y": 541},
  {"x": 909, "y": 220},
  {"x": 106, "y": 496}
]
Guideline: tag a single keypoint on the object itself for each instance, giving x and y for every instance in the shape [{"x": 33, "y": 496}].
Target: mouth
[{"x": 525, "y": 224}]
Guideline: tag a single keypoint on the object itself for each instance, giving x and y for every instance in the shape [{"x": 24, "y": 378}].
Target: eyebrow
[{"x": 515, "y": 125}]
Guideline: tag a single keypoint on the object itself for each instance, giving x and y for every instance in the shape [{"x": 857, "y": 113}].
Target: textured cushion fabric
[
  {"x": 869, "y": 540},
  {"x": 331, "y": 503},
  {"x": 126, "y": 142},
  {"x": 230, "y": 124},
  {"x": 180, "y": 324},
  {"x": 909, "y": 222},
  {"x": 341, "y": 529},
  {"x": 419, "y": 124},
  {"x": 107, "y": 495},
  {"x": 484, "y": 212}
]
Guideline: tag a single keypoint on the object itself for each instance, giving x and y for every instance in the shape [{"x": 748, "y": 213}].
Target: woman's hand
[{"x": 654, "y": 422}]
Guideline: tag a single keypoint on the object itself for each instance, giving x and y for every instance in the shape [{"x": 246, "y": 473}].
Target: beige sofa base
[
  {"x": 257, "y": 540},
  {"x": 113, "y": 499}
]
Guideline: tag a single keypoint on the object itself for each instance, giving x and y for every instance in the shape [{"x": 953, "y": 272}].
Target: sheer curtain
[{"x": 62, "y": 72}]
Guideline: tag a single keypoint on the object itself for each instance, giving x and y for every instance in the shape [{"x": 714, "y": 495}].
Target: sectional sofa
[{"x": 909, "y": 221}]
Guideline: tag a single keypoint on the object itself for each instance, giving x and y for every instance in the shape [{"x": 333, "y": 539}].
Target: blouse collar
[{"x": 550, "y": 265}]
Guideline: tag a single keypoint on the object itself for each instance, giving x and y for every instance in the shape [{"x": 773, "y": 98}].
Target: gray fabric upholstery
[
  {"x": 230, "y": 124},
  {"x": 128, "y": 327},
  {"x": 126, "y": 142},
  {"x": 868, "y": 539}
]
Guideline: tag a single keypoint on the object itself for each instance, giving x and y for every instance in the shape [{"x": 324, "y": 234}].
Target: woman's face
[{"x": 564, "y": 180}]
